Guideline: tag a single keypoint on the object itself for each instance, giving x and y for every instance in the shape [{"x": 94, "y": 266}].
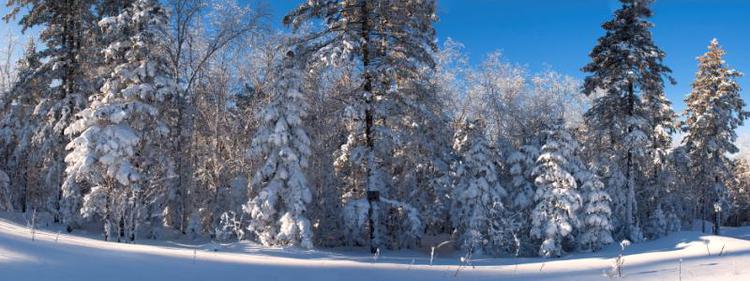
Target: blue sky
[
  {"x": 555, "y": 34},
  {"x": 558, "y": 35}
]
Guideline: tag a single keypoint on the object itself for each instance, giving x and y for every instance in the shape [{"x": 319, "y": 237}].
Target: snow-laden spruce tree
[
  {"x": 67, "y": 29},
  {"x": 392, "y": 43},
  {"x": 631, "y": 117},
  {"x": 715, "y": 110},
  {"x": 277, "y": 213},
  {"x": 521, "y": 164},
  {"x": 555, "y": 216},
  {"x": 596, "y": 222},
  {"x": 119, "y": 141},
  {"x": 477, "y": 194},
  {"x": 17, "y": 129}
]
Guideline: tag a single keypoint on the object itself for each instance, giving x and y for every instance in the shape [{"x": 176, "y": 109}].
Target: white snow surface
[{"x": 82, "y": 257}]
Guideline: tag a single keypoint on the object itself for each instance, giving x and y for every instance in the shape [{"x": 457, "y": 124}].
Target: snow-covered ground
[{"x": 72, "y": 257}]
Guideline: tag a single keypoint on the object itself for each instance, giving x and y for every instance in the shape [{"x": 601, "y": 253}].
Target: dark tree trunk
[{"x": 369, "y": 119}]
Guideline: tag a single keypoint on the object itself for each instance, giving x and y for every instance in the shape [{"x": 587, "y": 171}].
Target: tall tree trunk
[
  {"x": 630, "y": 200},
  {"x": 716, "y": 208},
  {"x": 369, "y": 120}
]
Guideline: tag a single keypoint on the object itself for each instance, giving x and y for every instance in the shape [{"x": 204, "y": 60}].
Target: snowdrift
[{"x": 58, "y": 256}]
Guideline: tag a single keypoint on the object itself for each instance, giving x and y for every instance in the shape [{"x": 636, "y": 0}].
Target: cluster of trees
[{"x": 154, "y": 119}]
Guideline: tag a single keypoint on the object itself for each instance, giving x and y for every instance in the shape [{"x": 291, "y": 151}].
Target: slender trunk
[
  {"x": 630, "y": 201},
  {"x": 369, "y": 141},
  {"x": 703, "y": 207},
  {"x": 716, "y": 209},
  {"x": 107, "y": 223}
]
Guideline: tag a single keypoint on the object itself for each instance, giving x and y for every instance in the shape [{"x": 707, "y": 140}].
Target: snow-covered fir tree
[
  {"x": 715, "y": 110},
  {"x": 631, "y": 116},
  {"x": 277, "y": 213},
  {"x": 392, "y": 43},
  {"x": 521, "y": 164},
  {"x": 557, "y": 198},
  {"x": 596, "y": 222},
  {"x": 477, "y": 196},
  {"x": 17, "y": 129},
  {"x": 67, "y": 31},
  {"x": 118, "y": 149}
]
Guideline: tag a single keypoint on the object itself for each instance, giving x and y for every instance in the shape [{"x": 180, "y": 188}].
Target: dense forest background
[{"x": 154, "y": 119}]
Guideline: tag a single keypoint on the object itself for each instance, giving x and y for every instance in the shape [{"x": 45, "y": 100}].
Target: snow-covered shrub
[
  {"x": 230, "y": 227},
  {"x": 619, "y": 262}
]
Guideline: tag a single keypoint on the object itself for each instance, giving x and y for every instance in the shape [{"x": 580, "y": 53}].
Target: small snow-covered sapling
[
  {"x": 432, "y": 255},
  {"x": 616, "y": 270},
  {"x": 465, "y": 261},
  {"x": 32, "y": 225},
  {"x": 708, "y": 250}
]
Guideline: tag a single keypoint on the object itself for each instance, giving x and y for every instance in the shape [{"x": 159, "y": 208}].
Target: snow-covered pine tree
[
  {"x": 120, "y": 137},
  {"x": 715, "y": 110},
  {"x": 521, "y": 164},
  {"x": 16, "y": 127},
  {"x": 596, "y": 229},
  {"x": 678, "y": 200},
  {"x": 662, "y": 125},
  {"x": 277, "y": 213},
  {"x": 477, "y": 196},
  {"x": 627, "y": 67},
  {"x": 555, "y": 216},
  {"x": 392, "y": 42},
  {"x": 67, "y": 28},
  {"x": 422, "y": 150}
]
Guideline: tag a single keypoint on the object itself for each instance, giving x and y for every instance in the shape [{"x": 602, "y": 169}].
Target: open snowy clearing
[{"x": 67, "y": 257}]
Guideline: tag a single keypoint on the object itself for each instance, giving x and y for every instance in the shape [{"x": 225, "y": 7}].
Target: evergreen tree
[
  {"x": 521, "y": 164},
  {"x": 121, "y": 135},
  {"x": 631, "y": 118},
  {"x": 392, "y": 42},
  {"x": 557, "y": 199},
  {"x": 278, "y": 211},
  {"x": 477, "y": 195},
  {"x": 68, "y": 27},
  {"x": 714, "y": 111},
  {"x": 16, "y": 128},
  {"x": 596, "y": 230}
]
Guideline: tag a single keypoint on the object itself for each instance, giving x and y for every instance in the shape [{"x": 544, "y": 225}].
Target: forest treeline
[{"x": 158, "y": 119}]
